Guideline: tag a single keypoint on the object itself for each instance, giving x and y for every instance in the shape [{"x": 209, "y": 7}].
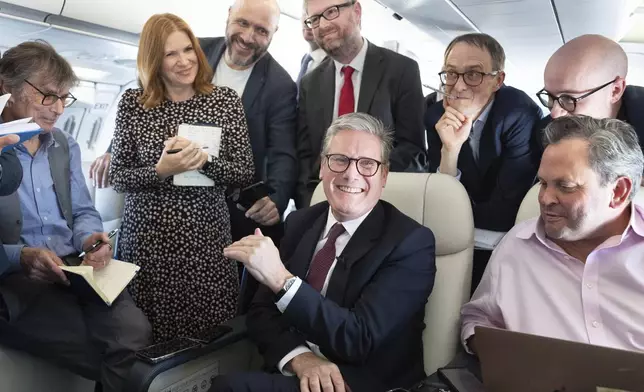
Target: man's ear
[
  {"x": 500, "y": 79},
  {"x": 621, "y": 191},
  {"x": 617, "y": 90}
]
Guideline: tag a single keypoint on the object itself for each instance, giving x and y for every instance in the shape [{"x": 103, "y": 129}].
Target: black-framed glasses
[
  {"x": 330, "y": 13},
  {"x": 567, "y": 101},
  {"x": 339, "y": 163},
  {"x": 471, "y": 78},
  {"x": 49, "y": 99}
]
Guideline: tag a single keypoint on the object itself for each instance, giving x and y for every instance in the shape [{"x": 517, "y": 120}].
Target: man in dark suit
[
  {"x": 10, "y": 167},
  {"x": 241, "y": 61},
  {"x": 587, "y": 75},
  {"x": 342, "y": 302},
  {"x": 314, "y": 57},
  {"x": 356, "y": 76},
  {"x": 480, "y": 132}
]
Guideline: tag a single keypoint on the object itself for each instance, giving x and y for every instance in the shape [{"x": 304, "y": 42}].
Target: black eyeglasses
[
  {"x": 50, "y": 99},
  {"x": 330, "y": 13},
  {"x": 566, "y": 101},
  {"x": 339, "y": 163},
  {"x": 471, "y": 78}
]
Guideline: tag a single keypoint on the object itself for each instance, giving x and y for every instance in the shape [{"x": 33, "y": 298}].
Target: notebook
[
  {"x": 24, "y": 128},
  {"x": 105, "y": 284},
  {"x": 205, "y": 136}
]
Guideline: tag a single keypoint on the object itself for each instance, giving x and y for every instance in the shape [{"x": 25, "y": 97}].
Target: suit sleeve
[
  {"x": 305, "y": 156},
  {"x": 409, "y": 151},
  {"x": 397, "y": 291},
  {"x": 11, "y": 173},
  {"x": 266, "y": 326},
  {"x": 516, "y": 174},
  {"x": 281, "y": 120}
]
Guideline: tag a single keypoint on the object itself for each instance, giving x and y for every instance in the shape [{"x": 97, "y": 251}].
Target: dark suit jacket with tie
[
  {"x": 371, "y": 321},
  {"x": 505, "y": 170},
  {"x": 271, "y": 112},
  {"x": 632, "y": 111},
  {"x": 390, "y": 90}
]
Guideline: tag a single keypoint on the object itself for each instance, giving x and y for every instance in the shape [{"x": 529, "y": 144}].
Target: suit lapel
[
  {"x": 362, "y": 241},
  {"x": 487, "y": 144},
  {"x": 301, "y": 259},
  {"x": 255, "y": 82},
  {"x": 215, "y": 55},
  {"x": 373, "y": 71},
  {"x": 322, "y": 86}
]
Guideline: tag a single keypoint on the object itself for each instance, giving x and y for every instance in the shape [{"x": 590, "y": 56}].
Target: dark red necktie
[
  {"x": 323, "y": 260},
  {"x": 347, "y": 99}
]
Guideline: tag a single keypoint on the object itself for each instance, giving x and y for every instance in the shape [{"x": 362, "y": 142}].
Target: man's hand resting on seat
[
  {"x": 261, "y": 258},
  {"x": 317, "y": 374},
  {"x": 42, "y": 265},
  {"x": 101, "y": 256}
]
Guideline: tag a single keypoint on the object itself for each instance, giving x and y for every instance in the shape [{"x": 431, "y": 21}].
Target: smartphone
[
  {"x": 245, "y": 198},
  {"x": 209, "y": 335},
  {"x": 166, "y": 350}
]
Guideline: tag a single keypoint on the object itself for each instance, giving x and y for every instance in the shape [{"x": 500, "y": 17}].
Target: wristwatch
[{"x": 287, "y": 285}]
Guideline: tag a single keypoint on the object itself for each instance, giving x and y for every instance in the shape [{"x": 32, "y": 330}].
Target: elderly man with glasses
[
  {"x": 356, "y": 76},
  {"x": 47, "y": 223},
  {"x": 587, "y": 75},
  {"x": 342, "y": 302},
  {"x": 480, "y": 131}
]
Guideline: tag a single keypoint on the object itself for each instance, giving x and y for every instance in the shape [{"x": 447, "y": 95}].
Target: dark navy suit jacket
[
  {"x": 370, "y": 323},
  {"x": 505, "y": 170}
]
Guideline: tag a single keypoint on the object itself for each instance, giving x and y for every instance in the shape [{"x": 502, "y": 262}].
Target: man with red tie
[
  {"x": 356, "y": 76},
  {"x": 341, "y": 306}
]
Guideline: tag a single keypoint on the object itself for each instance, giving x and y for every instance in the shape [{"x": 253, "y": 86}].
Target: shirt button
[
  {"x": 589, "y": 285},
  {"x": 44, "y": 218},
  {"x": 595, "y": 324},
  {"x": 37, "y": 189},
  {"x": 48, "y": 238}
]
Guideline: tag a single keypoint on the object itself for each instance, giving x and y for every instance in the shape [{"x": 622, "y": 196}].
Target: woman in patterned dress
[{"x": 177, "y": 233}]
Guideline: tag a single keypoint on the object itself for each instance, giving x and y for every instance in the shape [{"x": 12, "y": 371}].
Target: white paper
[
  {"x": 204, "y": 136},
  {"x": 487, "y": 239},
  {"x": 15, "y": 127}
]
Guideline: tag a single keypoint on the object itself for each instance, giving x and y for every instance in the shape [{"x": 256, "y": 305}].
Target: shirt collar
[
  {"x": 534, "y": 227},
  {"x": 318, "y": 55},
  {"x": 358, "y": 62},
  {"x": 350, "y": 226},
  {"x": 486, "y": 111}
]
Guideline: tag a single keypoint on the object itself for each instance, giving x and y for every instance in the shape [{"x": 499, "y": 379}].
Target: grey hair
[
  {"x": 364, "y": 123},
  {"x": 482, "y": 41},
  {"x": 35, "y": 59},
  {"x": 613, "y": 147}
]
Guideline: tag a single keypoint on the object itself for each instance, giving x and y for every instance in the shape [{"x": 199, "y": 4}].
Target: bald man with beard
[{"x": 587, "y": 76}]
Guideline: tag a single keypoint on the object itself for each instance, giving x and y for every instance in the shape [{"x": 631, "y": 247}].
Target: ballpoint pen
[
  {"x": 96, "y": 244},
  {"x": 443, "y": 93},
  {"x": 176, "y": 150}
]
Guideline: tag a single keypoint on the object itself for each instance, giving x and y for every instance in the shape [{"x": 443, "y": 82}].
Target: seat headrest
[{"x": 435, "y": 200}]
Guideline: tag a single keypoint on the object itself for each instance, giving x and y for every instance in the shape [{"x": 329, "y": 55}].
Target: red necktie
[
  {"x": 347, "y": 99},
  {"x": 323, "y": 260}
]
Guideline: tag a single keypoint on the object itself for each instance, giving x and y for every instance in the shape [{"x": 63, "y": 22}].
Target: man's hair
[
  {"x": 152, "y": 52},
  {"x": 361, "y": 122},
  {"x": 484, "y": 42},
  {"x": 613, "y": 147},
  {"x": 34, "y": 60}
]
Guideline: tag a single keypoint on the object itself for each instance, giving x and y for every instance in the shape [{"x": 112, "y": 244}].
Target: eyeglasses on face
[
  {"x": 330, "y": 13},
  {"x": 339, "y": 163},
  {"x": 471, "y": 78},
  {"x": 567, "y": 101},
  {"x": 49, "y": 99}
]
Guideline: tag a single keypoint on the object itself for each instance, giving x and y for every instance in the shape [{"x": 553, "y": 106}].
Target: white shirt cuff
[
  {"x": 283, "y": 303},
  {"x": 457, "y": 176},
  {"x": 466, "y": 333},
  {"x": 287, "y": 358}
]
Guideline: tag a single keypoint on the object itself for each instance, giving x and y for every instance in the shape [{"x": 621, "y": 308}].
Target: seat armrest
[{"x": 142, "y": 373}]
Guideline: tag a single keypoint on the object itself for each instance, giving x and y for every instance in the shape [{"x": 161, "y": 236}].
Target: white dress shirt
[
  {"x": 358, "y": 65},
  {"x": 233, "y": 78},
  {"x": 317, "y": 55},
  {"x": 341, "y": 242}
]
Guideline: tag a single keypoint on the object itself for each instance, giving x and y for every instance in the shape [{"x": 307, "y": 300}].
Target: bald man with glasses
[{"x": 587, "y": 75}]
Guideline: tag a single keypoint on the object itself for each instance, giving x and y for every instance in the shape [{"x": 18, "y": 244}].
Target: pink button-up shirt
[{"x": 531, "y": 285}]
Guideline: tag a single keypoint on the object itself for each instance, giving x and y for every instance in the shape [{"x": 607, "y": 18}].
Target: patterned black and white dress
[{"x": 177, "y": 233}]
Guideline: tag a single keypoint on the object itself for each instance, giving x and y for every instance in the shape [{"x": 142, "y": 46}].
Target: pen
[
  {"x": 110, "y": 235},
  {"x": 176, "y": 150},
  {"x": 440, "y": 91}
]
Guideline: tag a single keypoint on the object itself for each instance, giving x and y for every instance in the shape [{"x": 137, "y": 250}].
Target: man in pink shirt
[{"x": 577, "y": 271}]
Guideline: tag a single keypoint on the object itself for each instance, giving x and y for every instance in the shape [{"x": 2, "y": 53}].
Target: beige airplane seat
[
  {"x": 108, "y": 202},
  {"x": 530, "y": 205},
  {"x": 439, "y": 202}
]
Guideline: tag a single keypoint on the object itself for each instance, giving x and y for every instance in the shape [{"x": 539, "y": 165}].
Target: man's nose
[{"x": 557, "y": 110}]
